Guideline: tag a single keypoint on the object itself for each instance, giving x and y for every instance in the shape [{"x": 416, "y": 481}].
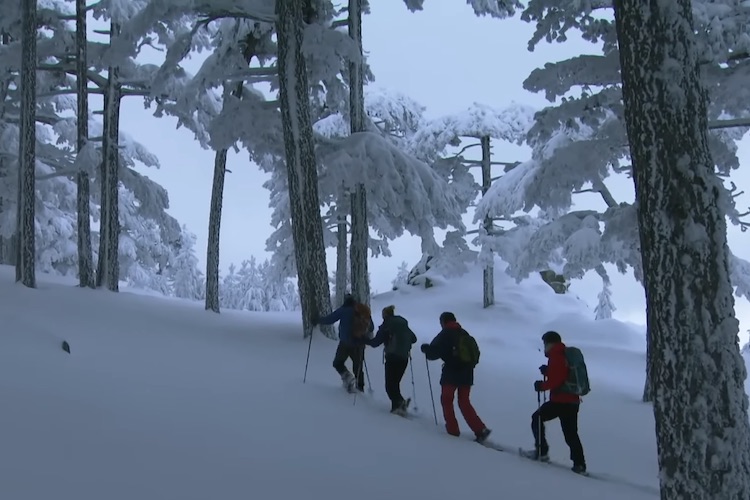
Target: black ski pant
[
  {"x": 395, "y": 367},
  {"x": 354, "y": 352},
  {"x": 568, "y": 415}
]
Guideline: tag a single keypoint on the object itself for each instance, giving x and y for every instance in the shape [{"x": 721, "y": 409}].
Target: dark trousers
[
  {"x": 395, "y": 367},
  {"x": 568, "y": 415},
  {"x": 354, "y": 352}
]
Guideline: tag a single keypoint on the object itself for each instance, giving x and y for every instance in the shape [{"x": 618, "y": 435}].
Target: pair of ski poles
[{"x": 363, "y": 364}]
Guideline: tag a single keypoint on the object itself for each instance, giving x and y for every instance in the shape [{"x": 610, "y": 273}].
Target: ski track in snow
[{"x": 162, "y": 400}]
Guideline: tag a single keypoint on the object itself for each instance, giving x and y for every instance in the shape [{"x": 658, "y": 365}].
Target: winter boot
[
  {"x": 535, "y": 455},
  {"x": 483, "y": 435},
  {"x": 580, "y": 469},
  {"x": 350, "y": 383},
  {"x": 401, "y": 409}
]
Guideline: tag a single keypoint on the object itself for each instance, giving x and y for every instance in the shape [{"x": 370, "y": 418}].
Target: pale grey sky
[{"x": 444, "y": 57}]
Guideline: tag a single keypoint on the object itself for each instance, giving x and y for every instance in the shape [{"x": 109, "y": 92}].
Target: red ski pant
[{"x": 464, "y": 404}]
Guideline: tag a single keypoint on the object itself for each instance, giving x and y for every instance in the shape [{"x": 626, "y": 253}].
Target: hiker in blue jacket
[{"x": 355, "y": 327}]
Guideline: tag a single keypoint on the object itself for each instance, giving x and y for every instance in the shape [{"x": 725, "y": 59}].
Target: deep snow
[{"x": 162, "y": 400}]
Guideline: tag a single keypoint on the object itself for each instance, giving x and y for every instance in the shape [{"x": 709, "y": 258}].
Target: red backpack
[{"x": 361, "y": 322}]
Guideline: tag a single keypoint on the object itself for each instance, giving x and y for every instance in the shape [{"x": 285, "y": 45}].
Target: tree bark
[
  {"x": 342, "y": 246},
  {"x": 26, "y": 251},
  {"x": 307, "y": 225},
  {"x": 6, "y": 250},
  {"x": 360, "y": 227},
  {"x": 214, "y": 232},
  {"x": 85, "y": 258},
  {"x": 700, "y": 405},
  {"x": 108, "y": 272},
  {"x": 488, "y": 273}
]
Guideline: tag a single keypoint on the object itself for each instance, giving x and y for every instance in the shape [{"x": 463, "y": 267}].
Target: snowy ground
[{"x": 161, "y": 400}]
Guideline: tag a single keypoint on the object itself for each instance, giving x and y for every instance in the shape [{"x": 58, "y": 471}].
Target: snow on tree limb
[
  {"x": 405, "y": 193},
  {"x": 509, "y": 124}
]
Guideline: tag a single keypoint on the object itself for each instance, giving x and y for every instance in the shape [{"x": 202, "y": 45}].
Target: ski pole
[
  {"x": 367, "y": 374},
  {"x": 429, "y": 381},
  {"x": 413, "y": 387},
  {"x": 307, "y": 363}
]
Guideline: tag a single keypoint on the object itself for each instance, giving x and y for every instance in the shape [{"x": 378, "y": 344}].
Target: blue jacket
[{"x": 345, "y": 316}]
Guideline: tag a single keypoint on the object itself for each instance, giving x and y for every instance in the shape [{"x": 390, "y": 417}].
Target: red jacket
[{"x": 557, "y": 374}]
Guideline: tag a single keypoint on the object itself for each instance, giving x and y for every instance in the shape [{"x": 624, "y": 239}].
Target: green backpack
[
  {"x": 578, "y": 376},
  {"x": 466, "y": 349}
]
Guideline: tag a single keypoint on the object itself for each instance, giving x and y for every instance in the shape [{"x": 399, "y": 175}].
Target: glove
[
  {"x": 538, "y": 386},
  {"x": 543, "y": 370},
  {"x": 424, "y": 347}
]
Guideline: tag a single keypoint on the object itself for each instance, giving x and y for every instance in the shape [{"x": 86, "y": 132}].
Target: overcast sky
[{"x": 446, "y": 59}]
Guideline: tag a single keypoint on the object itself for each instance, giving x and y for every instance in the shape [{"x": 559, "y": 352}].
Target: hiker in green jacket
[{"x": 398, "y": 339}]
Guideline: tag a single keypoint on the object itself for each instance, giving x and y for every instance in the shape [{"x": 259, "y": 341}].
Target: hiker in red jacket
[{"x": 562, "y": 404}]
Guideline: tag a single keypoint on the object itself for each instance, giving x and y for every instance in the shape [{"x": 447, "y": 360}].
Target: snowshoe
[
  {"x": 533, "y": 455},
  {"x": 349, "y": 382}
]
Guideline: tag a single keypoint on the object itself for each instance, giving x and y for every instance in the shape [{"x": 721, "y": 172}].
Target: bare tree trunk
[
  {"x": 214, "y": 232},
  {"x": 26, "y": 251},
  {"x": 108, "y": 272},
  {"x": 6, "y": 251},
  {"x": 85, "y": 258},
  {"x": 342, "y": 246},
  {"x": 488, "y": 274},
  {"x": 360, "y": 227},
  {"x": 307, "y": 226},
  {"x": 700, "y": 405}
]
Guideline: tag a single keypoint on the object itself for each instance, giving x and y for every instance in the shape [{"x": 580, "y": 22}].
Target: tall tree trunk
[
  {"x": 217, "y": 196},
  {"x": 360, "y": 227},
  {"x": 302, "y": 173},
  {"x": 85, "y": 258},
  {"x": 214, "y": 232},
  {"x": 342, "y": 246},
  {"x": 6, "y": 254},
  {"x": 26, "y": 251},
  {"x": 488, "y": 274},
  {"x": 700, "y": 405},
  {"x": 108, "y": 272}
]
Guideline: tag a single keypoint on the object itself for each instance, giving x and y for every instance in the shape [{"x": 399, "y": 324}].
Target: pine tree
[
  {"x": 187, "y": 280},
  {"x": 700, "y": 405},
  {"x": 360, "y": 228},
  {"x": 301, "y": 163},
  {"x": 85, "y": 258},
  {"x": 605, "y": 307},
  {"x": 25, "y": 231}
]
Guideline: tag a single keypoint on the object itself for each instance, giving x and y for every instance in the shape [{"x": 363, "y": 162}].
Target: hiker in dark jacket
[
  {"x": 456, "y": 376},
  {"x": 561, "y": 404},
  {"x": 398, "y": 339},
  {"x": 349, "y": 346}
]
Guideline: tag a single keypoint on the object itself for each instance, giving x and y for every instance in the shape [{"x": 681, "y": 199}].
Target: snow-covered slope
[{"x": 161, "y": 400}]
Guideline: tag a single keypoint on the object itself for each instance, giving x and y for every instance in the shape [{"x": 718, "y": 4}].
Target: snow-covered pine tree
[
  {"x": 301, "y": 162},
  {"x": 402, "y": 276},
  {"x": 25, "y": 231},
  {"x": 605, "y": 307},
  {"x": 483, "y": 124},
  {"x": 187, "y": 280},
  {"x": 704, "y": 449},
  {"x": 357, "y": 121}
]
